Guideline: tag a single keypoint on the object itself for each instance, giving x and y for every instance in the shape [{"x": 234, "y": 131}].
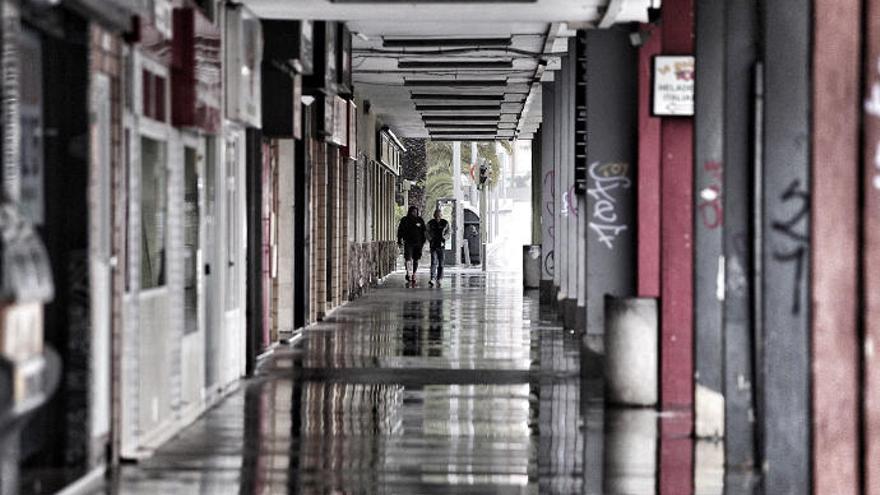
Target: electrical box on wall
[{"x": 244, "y": 55}]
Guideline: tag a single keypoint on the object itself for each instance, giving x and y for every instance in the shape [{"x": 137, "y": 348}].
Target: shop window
[{"x": 154, "y": 213}]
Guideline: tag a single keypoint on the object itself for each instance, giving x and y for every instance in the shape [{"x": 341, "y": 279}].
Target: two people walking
[{"x": 412, "y": 233}]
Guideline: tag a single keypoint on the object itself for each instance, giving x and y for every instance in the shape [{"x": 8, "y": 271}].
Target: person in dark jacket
[
  {"x": 411, "y": 235},
  {"x": 438, "y": 232}
]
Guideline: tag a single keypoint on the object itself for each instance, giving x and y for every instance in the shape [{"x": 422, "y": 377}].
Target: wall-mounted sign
[
  {"x": 297, "y": 107},
  {"x": 340, "y": 122},
  {"x": 335, "y": 119},
  {"x": 389, "y": 149},
  {"x": 324, "y": 74},
  {"x": 306, "y": 47},
  {"x": 343, "y": 65},
  {"x": 196, "y": 90},
  {"x": 351, "y": 147},
  {"x": 162, "y": 18},
  {"x": 673, "y": 88},
  {"x": 244, "y": 54}
]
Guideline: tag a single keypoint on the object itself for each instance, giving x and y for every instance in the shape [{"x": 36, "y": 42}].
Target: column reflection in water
[
  {"x": 344, "y": 434},
  {"x": 560, "y": 458},
  {"x": 631, "y": 451},
  {"x": 267, "y": 438},
  {"x": 481, "y": 432}
]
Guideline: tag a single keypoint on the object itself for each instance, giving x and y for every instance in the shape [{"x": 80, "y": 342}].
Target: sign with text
[{"x": 673, "y": 88}]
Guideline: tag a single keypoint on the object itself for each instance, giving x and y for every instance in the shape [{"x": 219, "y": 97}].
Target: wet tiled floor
[{"x": 473, "y": 388}]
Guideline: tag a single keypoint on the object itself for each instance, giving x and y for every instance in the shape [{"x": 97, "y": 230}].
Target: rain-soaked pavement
[{"x": 473, "y": 388}]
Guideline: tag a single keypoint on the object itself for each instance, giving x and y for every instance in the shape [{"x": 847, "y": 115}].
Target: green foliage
[{"x": 439, "y": 177}]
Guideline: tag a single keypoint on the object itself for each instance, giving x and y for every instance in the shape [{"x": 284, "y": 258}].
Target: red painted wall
[
  {"x": 836, "y": 101},
  {"x": 676, "y": 284},
  {"x": 871, "y": 251},
  {"x": 648, "y": 173}
]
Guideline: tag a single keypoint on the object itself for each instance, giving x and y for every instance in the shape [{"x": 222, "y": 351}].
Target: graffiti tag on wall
[
  {"x": 549, "y": 200},
  {"x": 710, "y": 206},
  {"x": 795, "y": 238},
  {"x": 608, "y": 181}
]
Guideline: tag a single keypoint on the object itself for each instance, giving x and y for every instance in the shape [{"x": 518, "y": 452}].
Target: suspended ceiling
[{"x": 457, "y": 70}]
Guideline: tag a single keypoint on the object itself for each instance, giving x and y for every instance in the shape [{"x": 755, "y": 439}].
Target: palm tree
[{"x": 438, "y": 183}]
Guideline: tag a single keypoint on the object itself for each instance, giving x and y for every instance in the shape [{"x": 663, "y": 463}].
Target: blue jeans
[{"x": 437, "y": 263}]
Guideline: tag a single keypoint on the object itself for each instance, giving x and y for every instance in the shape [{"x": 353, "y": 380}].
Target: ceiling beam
[
  {"x": 442, "y": 83},
  {"x": 454, "y": 64},
  {"x": 461, "y": 125},
  {"x": 454, "y": 118},
  {"x": 458, "y": 108},
  {"x": 432, "y": 42},
  {"x": 457, "y": 96}
]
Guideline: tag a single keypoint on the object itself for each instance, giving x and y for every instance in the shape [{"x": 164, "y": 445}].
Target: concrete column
[
  {"x": 649, "y": 171},
  {"x": 709, "y": 220},
  {"x": 484, "y": 209},
  {"x": 456, "y": 191},
  {"x": 740, "y": 55},
  {"x": 285, "y": 234},
  {"x": 611, "y": 99},
  {"x": 548, "y": 192},
  {"x": 254, "y": 306},
  {"x": 559, "y": 175},
  {"x": 785, "y": 192},
  {"x": 676, "y": 196},
  {"x": 835, "y": 236},
  {"x": 572, "y": 261},
  {"x": 536, "y": 186}
]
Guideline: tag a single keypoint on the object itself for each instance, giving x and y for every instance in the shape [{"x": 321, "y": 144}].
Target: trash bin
[
  {"x": 532, "y": 266},
  {"x": 631, "y": 350}
]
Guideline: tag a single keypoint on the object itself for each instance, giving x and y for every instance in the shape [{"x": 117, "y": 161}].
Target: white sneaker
[{"x": 431, "y": 282}]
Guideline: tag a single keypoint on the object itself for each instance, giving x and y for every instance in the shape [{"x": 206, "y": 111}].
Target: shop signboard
[
  {"x": 673, "y": 86},
  {"x": 195, "y": 71},
  {"x": 343, "y": 55},
  {"x": 351, "y": 146},
  {"x": 244, "y": 54}
]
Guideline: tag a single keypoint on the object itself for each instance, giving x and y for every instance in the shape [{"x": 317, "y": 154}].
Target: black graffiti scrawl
[{"x": 795, "y": 237}]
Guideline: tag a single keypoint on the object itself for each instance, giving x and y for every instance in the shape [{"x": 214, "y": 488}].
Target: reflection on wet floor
[{"x": 469, "y": 389}]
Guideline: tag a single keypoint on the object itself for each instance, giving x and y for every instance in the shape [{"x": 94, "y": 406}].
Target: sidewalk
[{"x": 470, "y": 388}]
